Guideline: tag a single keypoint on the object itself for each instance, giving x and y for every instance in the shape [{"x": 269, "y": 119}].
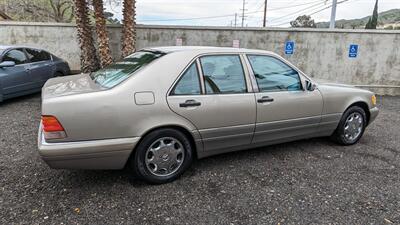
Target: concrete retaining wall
[{"x": 320, "y": 53}]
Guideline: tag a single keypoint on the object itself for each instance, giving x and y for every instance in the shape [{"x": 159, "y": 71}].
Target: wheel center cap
[{"x": 165, "y": 157}]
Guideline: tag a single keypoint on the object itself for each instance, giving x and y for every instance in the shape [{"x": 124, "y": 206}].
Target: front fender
[{"x": 338, "y": 98}]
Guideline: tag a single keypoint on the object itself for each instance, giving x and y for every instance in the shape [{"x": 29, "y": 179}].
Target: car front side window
[
  {"x": 16, "y": 55},
  {"x": 189, "y": 84},
  {"x": 274, "y": 75},
  {"x": 223, "y": 74}
]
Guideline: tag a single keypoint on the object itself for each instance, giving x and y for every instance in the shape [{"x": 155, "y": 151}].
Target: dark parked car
[{"x": 24, "y": 70}]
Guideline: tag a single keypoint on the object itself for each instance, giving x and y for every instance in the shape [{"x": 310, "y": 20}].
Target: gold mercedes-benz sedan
[{"x": 160, "y": 108}]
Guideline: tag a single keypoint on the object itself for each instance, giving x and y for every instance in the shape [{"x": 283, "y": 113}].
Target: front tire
[
  {"x": 351, "y": 126},
  {"x": 162, "y": 156}
]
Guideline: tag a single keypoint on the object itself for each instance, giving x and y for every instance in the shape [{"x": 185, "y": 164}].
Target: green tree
[
  {"x": 373, "y": 20},
  {"x": 60, "y": 11},
  {"x": 390, "y": 27},
  {"x": 303, "y": 21}
]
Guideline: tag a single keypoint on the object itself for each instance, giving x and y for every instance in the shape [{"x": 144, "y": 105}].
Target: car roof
[
  {"x": 205, "y": 49},
  {"x": 4, "y": 47}
]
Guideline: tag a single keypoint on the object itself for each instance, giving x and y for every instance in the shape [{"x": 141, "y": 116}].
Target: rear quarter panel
[
  {"x": 114, "y": 113},
  {"x": 61, "y": 66}
]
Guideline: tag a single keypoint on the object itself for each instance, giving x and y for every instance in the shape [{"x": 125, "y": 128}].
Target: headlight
[{"x": 373, "y": 99}]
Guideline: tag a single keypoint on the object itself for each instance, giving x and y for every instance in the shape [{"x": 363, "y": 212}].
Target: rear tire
[
  {"x": 351, "y": 126},
  {"x": 162, "y": 156}
]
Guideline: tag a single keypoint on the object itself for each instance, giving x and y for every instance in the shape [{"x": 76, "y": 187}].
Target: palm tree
[
  {"x": 102, "y": 34},
  {"x": 89, "y": 60},
  {"x": 128, "y": 27}
]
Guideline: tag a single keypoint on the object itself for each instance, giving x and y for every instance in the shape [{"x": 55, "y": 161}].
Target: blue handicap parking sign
[
  {"x": 353, "y": 51},
  {"x": 289, "y": 47}
]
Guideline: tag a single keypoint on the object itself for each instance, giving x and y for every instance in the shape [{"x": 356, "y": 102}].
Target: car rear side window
[
  {"x": 274, "y": 75},
  {"x": 36, "y": 55},
  {"x": 223, "y": 74},
  {"x": 118, "y": 72},
  {"x": 189, "y": 84},
  {"x": 16, "y": 55}
]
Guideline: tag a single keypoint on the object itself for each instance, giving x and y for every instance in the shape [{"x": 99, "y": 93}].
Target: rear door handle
[
  {"x": 265, "y": 99},
  {"x": 189, "y": 103}
]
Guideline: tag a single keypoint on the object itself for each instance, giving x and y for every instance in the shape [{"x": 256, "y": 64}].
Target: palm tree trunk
[
  {"x": 102, "y": 34},
  {"x": 89, "y": 60},
  {"x": 128, "y": 27}
]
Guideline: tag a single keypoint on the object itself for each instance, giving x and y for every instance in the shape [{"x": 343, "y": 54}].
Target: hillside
[{"x": 384, "y": 19}]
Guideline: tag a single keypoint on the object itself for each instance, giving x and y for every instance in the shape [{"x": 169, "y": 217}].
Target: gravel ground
[{"x": 304, "y": 182}]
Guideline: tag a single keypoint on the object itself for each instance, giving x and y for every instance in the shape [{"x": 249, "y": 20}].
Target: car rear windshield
[{"x": 118, "y": 72}]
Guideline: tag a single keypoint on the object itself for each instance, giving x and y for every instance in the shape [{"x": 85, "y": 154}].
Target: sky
[{"x": 222, "y": 12}]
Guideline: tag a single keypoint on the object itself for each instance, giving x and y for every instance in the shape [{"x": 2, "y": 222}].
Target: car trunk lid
[{"x": 69, "y": 85}]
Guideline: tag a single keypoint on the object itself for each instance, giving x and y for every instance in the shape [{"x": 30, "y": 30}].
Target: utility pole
[
  {"x": 235, "y": 19},
  {"x": 333, "y": 15},
  {"x": 265, "y": 14},
  {"x": 243, "y": 10}
]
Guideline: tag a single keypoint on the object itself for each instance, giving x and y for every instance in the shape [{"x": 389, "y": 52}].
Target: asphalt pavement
[{"x": 312, "y": 181}]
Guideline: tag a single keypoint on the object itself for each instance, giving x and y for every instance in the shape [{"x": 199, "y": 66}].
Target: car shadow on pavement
[{"x": 210, "y": 164}]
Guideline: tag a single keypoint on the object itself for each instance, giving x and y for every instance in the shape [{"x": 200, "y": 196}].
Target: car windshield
[{"x": 116, "y": 73}]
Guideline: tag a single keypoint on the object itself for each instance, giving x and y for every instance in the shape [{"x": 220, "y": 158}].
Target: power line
[
  {"x": 226, "y": 15},
  {"x": 287, "y": 21},
  {"x": 259, "y": 4},
  {"x": 195, "y": 18},
  {"x": 319, "y": 2},
  {"x": 327, "y": 7},
  {"x": 288, "y": 7},
  {"x": 292, "y": 6},
  {"x": 317, "y": 11},
  {"x": 304, "y": 9}
]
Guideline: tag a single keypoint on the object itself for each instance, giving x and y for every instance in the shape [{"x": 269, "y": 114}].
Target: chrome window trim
[
  {"x": 180, "y": 78},
  {"x": 200, "y": 74},
  {"x": 245, "y": 74},
  {"x": 171, "y": 89},
  {"x": 251, "y": 74},
  {"x": 196, "y": 59},
  {"x": 287, "y": 63}
]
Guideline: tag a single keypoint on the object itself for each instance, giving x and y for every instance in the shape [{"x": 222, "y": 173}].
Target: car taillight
[{"x": 52, "y": 128}]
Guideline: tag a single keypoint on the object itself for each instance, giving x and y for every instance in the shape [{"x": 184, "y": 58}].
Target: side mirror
[
  {"x": 7, "y": 64},
  {"x": 310, "y": 86}
]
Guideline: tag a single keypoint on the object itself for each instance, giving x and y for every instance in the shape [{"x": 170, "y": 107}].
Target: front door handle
[
  {"x": 190, "y": 103},
  {"x": 265, "y": 99}
]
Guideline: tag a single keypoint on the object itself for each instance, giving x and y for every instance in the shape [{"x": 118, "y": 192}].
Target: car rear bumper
[
  {"x": 373, "y": 114},
  {"x": 97, "y": 154}
]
